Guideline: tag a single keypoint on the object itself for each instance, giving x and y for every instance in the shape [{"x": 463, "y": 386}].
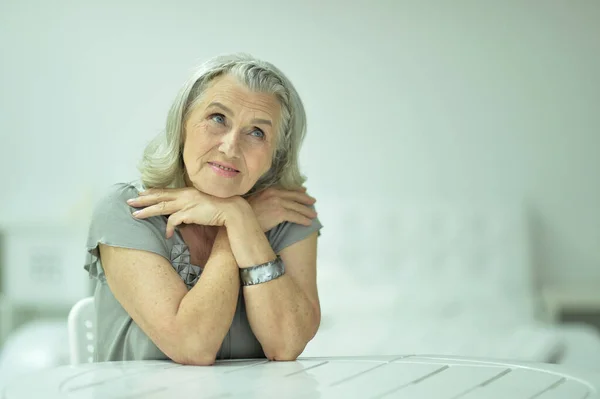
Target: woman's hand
[
  {"x": 274, "y": 206},
  {"x": 184, "y": 205}
]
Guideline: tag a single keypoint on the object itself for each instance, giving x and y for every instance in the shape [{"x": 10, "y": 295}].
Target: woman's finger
[
  {"x": 300, "y": 209},
  {"x": 149, "y": 199},
  {"x": 162, "y": 208},
  {"x": 298, "y": 218},
  {"x": 156, "y": 191},
  {"x": 298, "y": 196},
  {"x": 173, "y": 221}
]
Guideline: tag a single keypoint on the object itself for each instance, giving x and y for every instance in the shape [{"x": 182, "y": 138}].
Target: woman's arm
[
  {"x": 188, "y": 326},
  {"x": 284, "y": 313}
]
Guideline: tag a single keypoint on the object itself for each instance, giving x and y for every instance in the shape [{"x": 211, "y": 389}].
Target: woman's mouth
[{"x": 223, "y": 170}]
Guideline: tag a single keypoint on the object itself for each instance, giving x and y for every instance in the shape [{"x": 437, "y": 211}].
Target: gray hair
[{"x": 162, "y": 164}]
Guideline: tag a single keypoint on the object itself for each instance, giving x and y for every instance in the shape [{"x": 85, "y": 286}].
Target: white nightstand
[
  {"x": 572, "y": 299},
  {"x": 5, "y": 319},
  {"x": 576, "y": 311}
]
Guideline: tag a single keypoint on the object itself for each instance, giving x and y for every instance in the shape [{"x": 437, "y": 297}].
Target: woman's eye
[
  {"x": 218, "y": 118},
  {"x": 258, "y": 134}
]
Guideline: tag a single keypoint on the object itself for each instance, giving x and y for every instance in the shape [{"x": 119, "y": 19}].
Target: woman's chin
[{"x": 219, "y": 192}]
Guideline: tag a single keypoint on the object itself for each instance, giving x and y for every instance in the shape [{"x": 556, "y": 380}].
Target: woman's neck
[{"x": 199, "y": 240}]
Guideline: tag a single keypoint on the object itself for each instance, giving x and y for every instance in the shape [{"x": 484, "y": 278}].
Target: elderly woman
[{"x": 212, "y": 255}]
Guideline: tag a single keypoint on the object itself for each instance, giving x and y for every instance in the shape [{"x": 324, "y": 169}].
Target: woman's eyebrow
[
  {"x": 262, "y": 122},
  {"x": 229, "y": 111},
  {"x": 219, "y": 105}
]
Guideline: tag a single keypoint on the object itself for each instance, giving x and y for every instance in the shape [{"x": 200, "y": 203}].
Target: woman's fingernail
[
  {"x": 130, "y": 200},
  {"x": 136, "y": 213}
]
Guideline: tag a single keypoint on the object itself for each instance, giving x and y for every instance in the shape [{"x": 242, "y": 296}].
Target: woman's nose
[{"x": 229, "y": 144}]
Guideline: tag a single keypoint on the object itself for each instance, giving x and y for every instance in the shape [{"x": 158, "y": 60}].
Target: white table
[{"x": 415, "y": 377}]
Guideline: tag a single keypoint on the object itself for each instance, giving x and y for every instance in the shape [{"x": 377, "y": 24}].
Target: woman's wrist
[
  {"x": 249, "y": 243},
  {"x": 236, "y": 209},
  {"x": 221, "y": 243}
]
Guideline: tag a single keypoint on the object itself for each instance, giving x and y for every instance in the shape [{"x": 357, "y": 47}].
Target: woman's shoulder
[
  {"x": 112, "y": 216},
  {"x": 112, "y": 224},
  {"x": 112, "y": 203},
  {"x": 287, "y": 233},
  {"x": 122, "y": 191}
]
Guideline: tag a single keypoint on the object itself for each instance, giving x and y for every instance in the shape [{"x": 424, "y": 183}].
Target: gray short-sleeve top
[{"x": 117, "y": 336}]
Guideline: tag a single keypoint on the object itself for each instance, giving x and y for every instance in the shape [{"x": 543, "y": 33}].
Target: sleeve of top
[
  {"x": 112, "y": 224},
  {"x": 285, "y": 234}
]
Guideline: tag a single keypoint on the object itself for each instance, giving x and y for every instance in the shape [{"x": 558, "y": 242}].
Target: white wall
[{"x": 406, "y": 100}]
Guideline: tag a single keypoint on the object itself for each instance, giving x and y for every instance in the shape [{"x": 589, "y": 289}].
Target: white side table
[{"x": 415, "y": 377}]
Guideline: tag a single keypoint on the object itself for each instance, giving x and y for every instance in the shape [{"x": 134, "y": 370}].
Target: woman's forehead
[{"x": 230, "y": 93}]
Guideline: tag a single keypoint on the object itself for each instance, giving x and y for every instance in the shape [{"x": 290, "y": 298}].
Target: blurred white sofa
[
  {"x": 34, "y": 346},
  {"x": 436, "y": 278},
  {"x": 41, "y": 280}
]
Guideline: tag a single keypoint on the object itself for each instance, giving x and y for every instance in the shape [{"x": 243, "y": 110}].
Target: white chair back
[{"x": 81, "y": 331}]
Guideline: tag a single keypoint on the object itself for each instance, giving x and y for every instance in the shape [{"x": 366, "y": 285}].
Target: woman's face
[{"x": 230, "y": 137}]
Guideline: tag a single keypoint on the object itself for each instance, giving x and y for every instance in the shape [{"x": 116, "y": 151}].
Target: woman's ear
[{"x": 183, "y": 135}]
